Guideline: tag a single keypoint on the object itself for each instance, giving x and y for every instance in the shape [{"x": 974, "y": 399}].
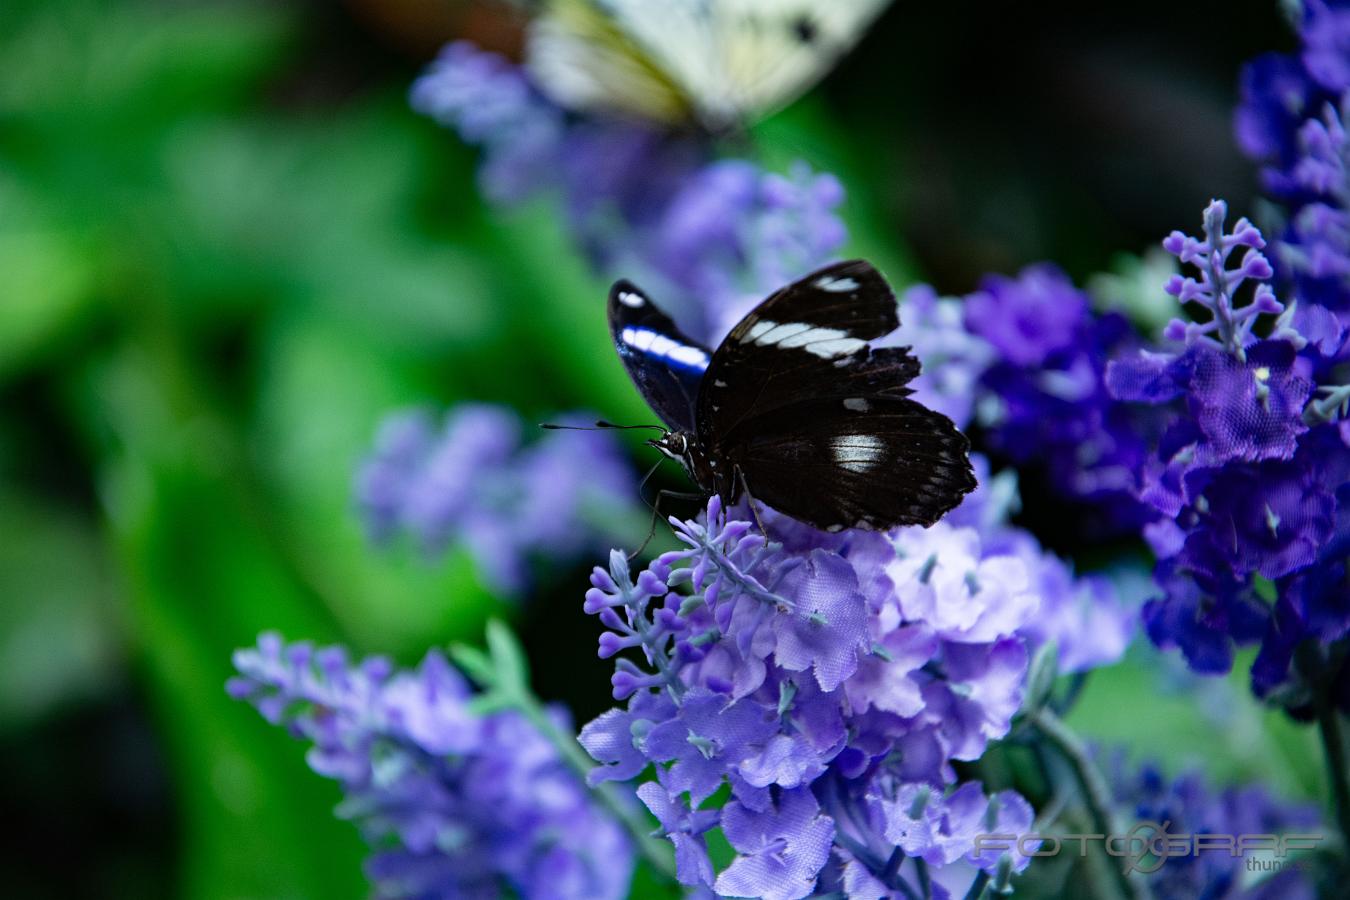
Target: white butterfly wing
[
  {"x": 729, "y": 61},
  {"x": 579, "y": 56}
]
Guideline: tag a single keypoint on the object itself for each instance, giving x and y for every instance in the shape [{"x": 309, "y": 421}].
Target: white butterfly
[{"x": 720, "y": 63}]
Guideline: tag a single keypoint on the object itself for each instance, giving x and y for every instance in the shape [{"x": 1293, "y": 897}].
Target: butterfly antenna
[
  {"x": 603, "y": 424},
  {"x": 598, "y": 426}
]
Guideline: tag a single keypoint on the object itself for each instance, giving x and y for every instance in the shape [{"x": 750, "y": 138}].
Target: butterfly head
[
  {"x": 674, "y": 444},
  {"x": 681, "y": 447}
]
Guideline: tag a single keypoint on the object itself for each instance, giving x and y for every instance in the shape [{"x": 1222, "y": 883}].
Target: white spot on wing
[
  {"x": 826, "y": 343},
  {"x": 681, "y": 355},
  {"x": 758, "y": 329},
  {"x": 628, "y": 298},
  {"x": 839, "y": 347},
  {"x": 836, "y": 285},
  {"x": 858, "y": 452},
  {"x": 857, "y": 404}
]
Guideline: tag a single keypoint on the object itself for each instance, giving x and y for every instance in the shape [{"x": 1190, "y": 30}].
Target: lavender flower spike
[
  {"x": 457, "y": 804},
  {"x": 1218, "y": 284},
  {"x": 471, "y": 482}
]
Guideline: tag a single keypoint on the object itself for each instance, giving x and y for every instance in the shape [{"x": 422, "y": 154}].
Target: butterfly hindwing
[
  {"x": 666, "y": 366},
  {"x": 873, "y": 464}
]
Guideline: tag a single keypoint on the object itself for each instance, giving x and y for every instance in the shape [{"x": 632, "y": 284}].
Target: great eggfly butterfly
[{"x": 796, "y": 409}]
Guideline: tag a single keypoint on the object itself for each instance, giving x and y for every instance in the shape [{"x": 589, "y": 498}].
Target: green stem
[
  {"x": 656, "y": 852},
  {"x": 1096, "y": 794},
  {"x": 925, "y": 880},
  {"x": 977, "y": 886},
  {"x": 1333, "y": 744}
]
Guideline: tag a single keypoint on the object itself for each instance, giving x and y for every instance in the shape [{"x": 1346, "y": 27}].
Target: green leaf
[
  {"x": 508, "y": 658},
  {"x": 475, "y": 663},
  {"x": 60, "y": 628}
]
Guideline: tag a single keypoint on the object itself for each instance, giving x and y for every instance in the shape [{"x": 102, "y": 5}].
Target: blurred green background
[{"x": 227, "y": 246}]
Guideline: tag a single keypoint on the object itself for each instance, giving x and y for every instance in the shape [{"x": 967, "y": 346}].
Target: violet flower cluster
[
  {"x": 470, "y": 481},
  {"x": 452, "y": 803},
  {"x": 1291, "y": 119},
  {"x": 1246, "y": 475},
  {"x": 1187, "y": 805},
  {"x": 829, "y": 682},
  {"x": 710, "y": 237},
  {"x": 1044, "y": 401}
]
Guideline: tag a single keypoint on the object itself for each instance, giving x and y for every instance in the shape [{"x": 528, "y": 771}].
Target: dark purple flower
[
  {"x": 1027, "y": 318},
  {"x": 1270, "y": 517},
  {"x": 1250, "y": 409},
  {"x": 1044, "y": 401},
  {"x": 1187, "y": 806},
  {"x": 1203, "y": 617}
]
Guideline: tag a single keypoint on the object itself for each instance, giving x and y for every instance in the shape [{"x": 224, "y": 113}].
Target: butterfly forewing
[
  {"x": 808, "y": 339},
  {"x": 666, "y": 365}
]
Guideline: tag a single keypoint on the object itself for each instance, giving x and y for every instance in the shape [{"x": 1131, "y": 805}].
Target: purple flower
[
  {"x": 1203, "y": 617},
  {"x": 1185, "y": 806},
  {"x": 1084, "y": 616},
  {"x": 941, "y": 830},
  {"x": 491, "y": 103},
  {"x": 1249, "y": 409},
  {"x": 1027, "y": 318},
  {"x": 473, "y": 483},
  {"x": 781, "y": 849},
  {"x": 823, "y": 667},
  {"x": 1271, "y": 517},
  {"x": 1244, "y": 477},
  {"x": 943, "y": 579},
  {"x": 709, "y": 737},
  {"x": 827, "y": 629},
  {"x": 709, "y": 238},
  {"x": 734, "y": 233},
  {"x": 456, "y": 803},
  {"x": 685, "y": 829},
  {"x": 1230, "y": 324},
  {"x": 954, "y": 357},
  {"x": 1292, "y": 119},
  {"x": 1044, "y": 400}
]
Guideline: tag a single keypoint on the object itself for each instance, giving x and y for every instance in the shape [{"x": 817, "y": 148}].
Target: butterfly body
[{"x": 796, "y": 408}]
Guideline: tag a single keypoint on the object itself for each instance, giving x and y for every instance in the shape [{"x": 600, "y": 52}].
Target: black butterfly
[{"x": 796, "y": 409}]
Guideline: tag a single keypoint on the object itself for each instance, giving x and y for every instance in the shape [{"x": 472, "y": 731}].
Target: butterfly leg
[
  {"x": 656, "y": 511},
  {"x": 750, "y": 502}
]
